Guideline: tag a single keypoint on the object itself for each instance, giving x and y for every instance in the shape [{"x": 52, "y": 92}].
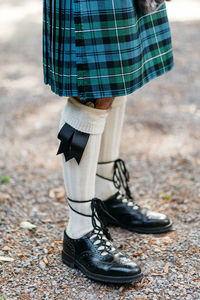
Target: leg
[
  {"x": 80, "y": 178},
  {"x": 99, "y": 103},
  {"x": 87, "y": 242},
  {"x": 110, "y": 144},
  {"x": 112, "y": 181}
]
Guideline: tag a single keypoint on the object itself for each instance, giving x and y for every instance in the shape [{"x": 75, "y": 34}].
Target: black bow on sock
[{"x": 73, "y": 142}]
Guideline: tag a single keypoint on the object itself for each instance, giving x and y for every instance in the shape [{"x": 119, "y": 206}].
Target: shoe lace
[
  {"x": 120, "y": 180},
  {"x": 101, "y": 235}
]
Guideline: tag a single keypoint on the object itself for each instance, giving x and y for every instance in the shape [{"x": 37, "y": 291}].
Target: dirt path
[{"x": 163, "y": 133}]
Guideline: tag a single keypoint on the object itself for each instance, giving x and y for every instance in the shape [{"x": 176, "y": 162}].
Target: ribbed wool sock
[
  {"x": 79, "y": 178},
  {"x": 109, "y": 151}
]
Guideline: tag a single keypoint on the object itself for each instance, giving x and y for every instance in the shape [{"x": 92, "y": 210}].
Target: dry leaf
[
  {"x": 45, "y": 260},
  {"x": 57, "y": 193},
  {"x": 166, "y": 269},
  {"x": 27, "y": 225},
  {"x": 6, "y": 248},
  {"x": 158, "y": 274},
  {"x": 11, "y": 230},
  {"x": 50, "y": 251},
  {"x": 47, "y": 221},
  {"x": 151, "y": 281},
  {"x": 61, "y": 194},
  {"x": 6, "y": 258},
  {"x": 20, "y": 255},
  {"x": 4, "y": 197},
  {"x": 165, "y": 196}
]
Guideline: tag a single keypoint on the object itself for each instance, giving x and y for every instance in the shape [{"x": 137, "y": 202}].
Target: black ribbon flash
[{"x": 73, "y": 142}]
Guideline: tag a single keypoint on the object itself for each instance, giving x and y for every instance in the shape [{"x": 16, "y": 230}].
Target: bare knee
[
  {"x": 104, "y": 103},
  {"x": 99, "y": 103}
]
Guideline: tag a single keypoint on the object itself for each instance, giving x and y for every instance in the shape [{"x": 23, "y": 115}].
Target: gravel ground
[{"x": 162, "y": 127}]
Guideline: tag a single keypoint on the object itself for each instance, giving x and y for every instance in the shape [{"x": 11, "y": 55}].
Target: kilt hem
[{"x": 95, "y": 95}]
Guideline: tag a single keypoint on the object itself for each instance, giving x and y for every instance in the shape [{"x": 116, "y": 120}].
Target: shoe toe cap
[
  {"x": 125, "y": 267},
  {"x": 158, "y": 218}
]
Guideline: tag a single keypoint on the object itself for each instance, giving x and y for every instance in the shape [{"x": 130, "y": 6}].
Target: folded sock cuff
[{"x": 84, "y": 118}]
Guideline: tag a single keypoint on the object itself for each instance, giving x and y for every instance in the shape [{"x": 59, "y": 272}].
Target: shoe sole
[
  {"x": 143, "y": 229},
  {"x": 69, "y": 261}
]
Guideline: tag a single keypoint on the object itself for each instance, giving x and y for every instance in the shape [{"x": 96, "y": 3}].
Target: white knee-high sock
[
  {"x": 79, "y": 178},
  {"x": 110, "y": 144}
]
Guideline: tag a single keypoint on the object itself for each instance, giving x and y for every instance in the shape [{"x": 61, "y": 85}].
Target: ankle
[
  {"x": 80, "y": 222},
  {"x": 113, "y": 176},
  {"x": 77, "y": 233},
  {"x": 104, "y": 188}
]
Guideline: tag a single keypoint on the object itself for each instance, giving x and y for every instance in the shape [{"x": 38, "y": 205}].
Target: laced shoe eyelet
[
  {"x": 104, "y": 253},
  {"x": 125, "y": 201},
  {"x": 96, "y": 242},
  {"x": 93, "y": 236},
  {"x": 136, "y": 207}
]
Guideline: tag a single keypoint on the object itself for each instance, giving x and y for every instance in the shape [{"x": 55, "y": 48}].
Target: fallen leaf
[
  {"x": 5, "y": 178},
  {"x": 159, "y": 274},
  {"x": 4, "y": 197},
  {"x": 6, "y": 258},
  {"x": 11, "y": 230},
  {"x": 45, "y": 260},
  {"x": 27, "y": 225},
  {"x": 151, "y": 281},
  {"x": 47, "y": 221},
  {"x": 6, "y": 248},
  {"x": 50, "y": 251},
  {"x": 166, "y": 269},
  {"x": 165, "y": 196},
  {"x": 61, "y": 194},
  {"x": 20, "y": 255},
  {"x": 57, "y": 193}
]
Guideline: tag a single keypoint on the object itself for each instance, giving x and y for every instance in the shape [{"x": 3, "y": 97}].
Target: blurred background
[{"x": 163, "y": 155}]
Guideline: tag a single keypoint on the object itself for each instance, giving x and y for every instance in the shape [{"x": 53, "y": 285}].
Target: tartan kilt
[{"x": 103, "y": 48}]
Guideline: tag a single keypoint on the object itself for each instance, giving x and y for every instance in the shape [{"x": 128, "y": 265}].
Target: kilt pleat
[{"x": 103, "y": 48}]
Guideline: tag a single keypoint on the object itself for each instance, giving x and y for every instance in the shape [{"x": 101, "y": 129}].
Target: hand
[{"x": 148, "y": 6}]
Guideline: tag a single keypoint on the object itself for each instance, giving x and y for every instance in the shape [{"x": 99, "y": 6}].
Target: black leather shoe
[
  {"x": 95, "y": 255},
  {"x": 125, "y": 213}
]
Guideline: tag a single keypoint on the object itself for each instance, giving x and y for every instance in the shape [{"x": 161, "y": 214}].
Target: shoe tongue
[{"x": 113, "y": 197}]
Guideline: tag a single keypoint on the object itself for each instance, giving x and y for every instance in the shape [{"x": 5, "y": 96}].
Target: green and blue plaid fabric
[{"x": 103, "y": 48}]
